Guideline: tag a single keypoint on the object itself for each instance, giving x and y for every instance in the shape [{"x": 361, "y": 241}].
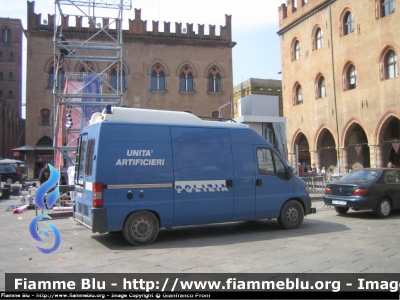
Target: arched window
[
  {"x": 10, "y": 76},
  {"x": 387, "y": 7},
  {"x": 87, "y": 67},
  {"x": 1, "y": 76},
  {"x": 1, "y": 55},
  {"x": 186, "y": 82},
  {"x": 321, "y": 90},
  {"x": 1, "y": 94},
  {"x": 296, "y": 50},
  {"x": 157, "y": 78},
  {"x": 319, "y": 41},
  {"x": 392, "y": 70},
  {"x": 51, "y": 77},
  {"x": 10, "y": 94},
  {"x": 6, "y": 35},
  {"x": 45, "y": 117},
  {"x": 61, "y": 78},
  {"x": 350, "y": 77},
  {"x": 214, "y": 83},
  {"x": 114, "y": 79},
  {"x": 348, "y": 23},
  {"x": 11, "y": 56},
  {"x": 215, "y": 114},
  {"x": 45, "y": 141},
  {"x": 297, "y": 95}
]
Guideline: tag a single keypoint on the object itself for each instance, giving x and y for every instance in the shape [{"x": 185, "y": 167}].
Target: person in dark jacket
[{"x": 44, "y": 174}]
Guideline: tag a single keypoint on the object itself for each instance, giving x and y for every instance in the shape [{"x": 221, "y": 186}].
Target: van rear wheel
[
  {"x": 141, "y": 228},
  {"x": 292, "y": 215}
]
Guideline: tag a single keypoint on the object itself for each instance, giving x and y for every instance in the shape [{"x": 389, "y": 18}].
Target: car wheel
[
  {"x": 141, "y": 228},
  {"x": 9, "y": 180},
  {"x": 292, "y": 215},
  {"x": 341, "y": 210},
  {"x": 384, "y": 208}
]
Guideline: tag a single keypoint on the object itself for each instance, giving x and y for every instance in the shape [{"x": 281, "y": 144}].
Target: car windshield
[{"x": 367, "y": 175}]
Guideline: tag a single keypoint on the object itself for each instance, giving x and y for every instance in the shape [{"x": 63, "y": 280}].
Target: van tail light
[
  {"x": 97, "y": 195},
  {"x": 328, "y": 191},
  {"x": 360, "y": 192}
]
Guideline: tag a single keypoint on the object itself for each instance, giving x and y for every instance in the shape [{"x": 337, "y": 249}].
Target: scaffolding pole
[{"x": 97, "y": 52}]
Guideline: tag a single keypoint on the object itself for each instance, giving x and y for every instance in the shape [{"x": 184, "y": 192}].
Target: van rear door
[
  {"x": 83, "y": 171},
  {"x": 272, "y": 186}
]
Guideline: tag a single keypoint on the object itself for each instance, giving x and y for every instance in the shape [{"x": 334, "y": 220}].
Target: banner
[
  {"x": 92, "y": 86},
  {"x": 72, "y": 132},
  {"x": 396, "y": 146},
  {"x": 358, "y": 149}
]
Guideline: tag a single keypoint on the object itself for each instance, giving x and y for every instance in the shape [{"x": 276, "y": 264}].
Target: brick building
[
  {"x": 190, "y": 71},
  {"x": 340, "y": 81},
  {"x": 11, "y": 124}
]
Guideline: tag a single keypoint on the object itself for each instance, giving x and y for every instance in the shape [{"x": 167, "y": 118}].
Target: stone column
[
  {"x": 376, "y": 156},
  {"x": 292, "y": 159},
  {"x": 317, "y": 161},
  {"x": 344, "y": 163}
]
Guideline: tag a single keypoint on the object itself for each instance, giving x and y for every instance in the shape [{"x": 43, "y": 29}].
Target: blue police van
[{"x": 139, "y": 170}]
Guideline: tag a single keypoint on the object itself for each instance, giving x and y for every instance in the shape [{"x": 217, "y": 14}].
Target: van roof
[{"x": 140, "y": 115}]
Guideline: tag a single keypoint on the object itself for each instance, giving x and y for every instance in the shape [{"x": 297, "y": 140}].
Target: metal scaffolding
[{"x": 98, "y": 51}]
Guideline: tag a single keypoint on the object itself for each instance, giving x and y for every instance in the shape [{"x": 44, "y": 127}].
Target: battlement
[
  {"x": 296, "y": 10},
  {"x": 137, "y": 27}
]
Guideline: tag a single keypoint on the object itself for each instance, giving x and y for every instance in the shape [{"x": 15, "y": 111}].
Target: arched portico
[
  {"x": 355, "y": 153},
  {"x": 388, "y": 140},
  {"x": 304, "y": 149},
  {"x": 326, "y": 153}
]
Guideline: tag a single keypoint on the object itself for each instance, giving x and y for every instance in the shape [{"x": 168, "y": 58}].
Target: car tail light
[
  {"x": 18, "y": 171},
  {"x": 360, "y": 192},
  {"x": 328, "y": 191},
  {"x": 97, "y": 195}
]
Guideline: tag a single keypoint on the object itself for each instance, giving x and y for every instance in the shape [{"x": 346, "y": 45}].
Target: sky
[{"x": 254, "y": 26}]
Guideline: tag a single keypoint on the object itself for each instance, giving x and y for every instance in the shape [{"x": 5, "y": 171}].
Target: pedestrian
[
  {"x": 323, "y": 171},
  {"x": 301, "y": 170},
  {"x": 390, "y": 165},
  {"x": 44, "y": 174},
  {"x": 313, "y": 169}
]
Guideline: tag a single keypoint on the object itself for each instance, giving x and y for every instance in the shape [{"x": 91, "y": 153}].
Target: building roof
[
  {"x": 34, "y": 148},
  {"x": 268, "y": 83}
]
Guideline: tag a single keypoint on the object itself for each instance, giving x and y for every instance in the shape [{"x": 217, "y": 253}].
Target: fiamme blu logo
[{"x": 51, "y": 199}]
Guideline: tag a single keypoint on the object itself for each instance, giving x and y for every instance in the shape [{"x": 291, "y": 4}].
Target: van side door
[
  {"x": 203, "y": 174},
  {"x": 272, "y": 186}
]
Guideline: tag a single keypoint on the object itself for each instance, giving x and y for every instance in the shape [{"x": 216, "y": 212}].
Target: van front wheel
[
  {"x": 292, "y": 215},
  {"x": 141, "y": 228}
]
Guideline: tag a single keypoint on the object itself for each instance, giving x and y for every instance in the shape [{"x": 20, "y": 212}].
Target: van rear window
[
  {"x": 84, "y": 158},
  {"x": 89, "y": 157}
]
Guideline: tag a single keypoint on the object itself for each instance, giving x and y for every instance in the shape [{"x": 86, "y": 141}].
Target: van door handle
[{"x": 258, "y": 182}]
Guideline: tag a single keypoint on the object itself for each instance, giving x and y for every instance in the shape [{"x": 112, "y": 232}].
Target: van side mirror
[{"x": 289, "y": 172}]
